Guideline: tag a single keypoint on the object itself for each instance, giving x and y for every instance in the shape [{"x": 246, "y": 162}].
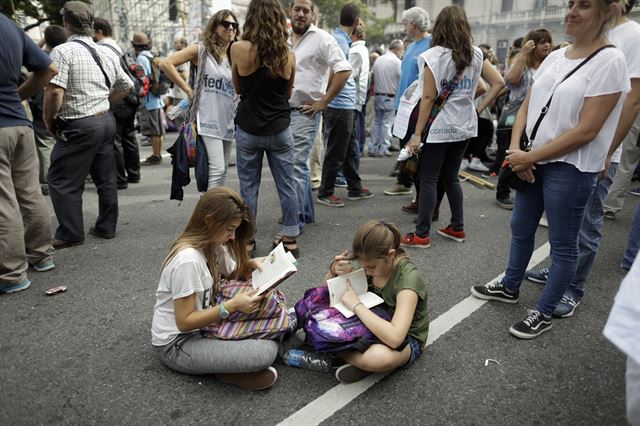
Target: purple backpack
[{"x": 327, "y": 329}]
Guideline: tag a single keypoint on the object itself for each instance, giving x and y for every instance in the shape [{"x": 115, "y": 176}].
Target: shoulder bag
[{"x": 410, "y": 165}]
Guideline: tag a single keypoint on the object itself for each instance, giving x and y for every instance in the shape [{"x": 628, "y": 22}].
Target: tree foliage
[
  {"x": 47, "y": 10},
  {"x": 329, "y": 11}
]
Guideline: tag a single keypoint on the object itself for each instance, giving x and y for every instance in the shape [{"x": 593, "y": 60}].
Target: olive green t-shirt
[{"x": 406, "y": 276}]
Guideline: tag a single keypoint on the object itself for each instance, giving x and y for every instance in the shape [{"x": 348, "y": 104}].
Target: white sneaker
[
  {"x": 477, "y": 166},
  {"x": 465, "y": 164}
]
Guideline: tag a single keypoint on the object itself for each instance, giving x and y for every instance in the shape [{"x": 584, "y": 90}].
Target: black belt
[{"x": 384, "y": 94}]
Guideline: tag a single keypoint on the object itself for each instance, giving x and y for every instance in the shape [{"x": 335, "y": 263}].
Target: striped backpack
[{"x": 271, "y": 321}]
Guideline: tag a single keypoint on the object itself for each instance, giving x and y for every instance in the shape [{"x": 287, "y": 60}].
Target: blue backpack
[{"x": 327, "y": 329}]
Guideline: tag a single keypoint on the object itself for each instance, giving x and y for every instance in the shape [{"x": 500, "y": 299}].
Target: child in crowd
[
  {"x": 212, "y": 245},
  {"x": 391, "y": 275}
]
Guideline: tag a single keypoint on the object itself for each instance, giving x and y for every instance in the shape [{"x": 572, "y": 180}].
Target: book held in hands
[
  {"x": 338, "y": 286},
  {"x": 277, "y": 267}
]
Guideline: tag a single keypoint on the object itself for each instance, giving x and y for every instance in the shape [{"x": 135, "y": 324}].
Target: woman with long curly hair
[
  {"x": 217, "y": 96},
  {"x": 451, "y": 54},
  {"x": 212, "y": 245},
  {"x": 263, "y": 73}
]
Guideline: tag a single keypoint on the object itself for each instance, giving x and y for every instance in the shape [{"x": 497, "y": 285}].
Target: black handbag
[{"x": 507, "y": 175}]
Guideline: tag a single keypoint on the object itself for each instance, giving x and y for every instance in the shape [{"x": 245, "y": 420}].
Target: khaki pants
[
  {"x": 25, "y": 222},
  {"x": 624, "y": 172}
]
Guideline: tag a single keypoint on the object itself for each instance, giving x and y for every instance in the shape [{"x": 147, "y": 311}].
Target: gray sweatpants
[{"x": 192, "y": 354}]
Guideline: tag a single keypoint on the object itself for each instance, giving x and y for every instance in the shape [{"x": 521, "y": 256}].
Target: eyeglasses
[{"x": 227, "y": 24}]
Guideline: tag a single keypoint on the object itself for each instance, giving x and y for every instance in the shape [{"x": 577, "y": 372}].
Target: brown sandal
[{"x": 290, "y": 246}]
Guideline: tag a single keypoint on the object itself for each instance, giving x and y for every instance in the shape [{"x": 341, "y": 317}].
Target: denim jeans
[
  {"x": 440, "y": 161},
  {"x": 590, "y": 234},
  {"x": 303, "y": 129},
  {"x": 634, "y": 242},
  {"x": 340, "y": 152},
  {"x": 279, "y": 149},
  {"x": 563, "y": 191},
  {"x": 382, "y": 122}
]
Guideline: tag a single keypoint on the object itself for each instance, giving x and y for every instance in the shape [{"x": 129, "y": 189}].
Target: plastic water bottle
[
  {"x": 307, "y": 360},
  {"x": 179, "y": 109}
]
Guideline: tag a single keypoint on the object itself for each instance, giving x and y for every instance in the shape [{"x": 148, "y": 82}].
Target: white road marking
[{"x": 340, "y": 395}]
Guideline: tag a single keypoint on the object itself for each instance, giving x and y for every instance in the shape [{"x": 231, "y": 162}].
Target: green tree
[
  {"x": 47, "y": 11},
  {"x": 329, "y": 11}
]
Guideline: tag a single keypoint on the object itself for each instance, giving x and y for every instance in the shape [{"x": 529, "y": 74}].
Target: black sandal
[{"x": 290, "y": 246}]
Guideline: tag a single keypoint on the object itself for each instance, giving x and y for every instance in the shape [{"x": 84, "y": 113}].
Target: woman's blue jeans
[
  {"x": 250, "y": 150},
  {"x": 562, "y": 191}
]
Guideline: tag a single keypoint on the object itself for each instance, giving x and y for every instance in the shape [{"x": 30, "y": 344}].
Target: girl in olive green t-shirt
[{"x": 376, "y": 246}]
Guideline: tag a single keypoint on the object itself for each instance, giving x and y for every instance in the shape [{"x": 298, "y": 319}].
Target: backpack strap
[
  {"x": 438, "y": 105},
  {"x": 199, "y": 81},
  {"x": 96, "y": 58}
]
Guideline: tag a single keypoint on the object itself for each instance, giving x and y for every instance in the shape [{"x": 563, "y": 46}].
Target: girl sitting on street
[
  {"x": 392, "y": 276},
  {"x": 212, "y": 245}
]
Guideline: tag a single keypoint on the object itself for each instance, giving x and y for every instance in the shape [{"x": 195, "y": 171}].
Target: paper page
[
  {"x": 275, "y": 268},
  {"x": 338, "y": 285},
  {"x": 368, "y": 299}
]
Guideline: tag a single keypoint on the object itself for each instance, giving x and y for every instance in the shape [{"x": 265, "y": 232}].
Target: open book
[
  {"x": 338, "y": 286},
  {"x": 277, "y": 267}
]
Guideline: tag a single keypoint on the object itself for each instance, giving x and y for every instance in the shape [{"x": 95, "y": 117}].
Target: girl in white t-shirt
[
  {"x": 213, "y": 244},
  {"x": 567, "y": 153},
  {"x": 451, "y": 51}
]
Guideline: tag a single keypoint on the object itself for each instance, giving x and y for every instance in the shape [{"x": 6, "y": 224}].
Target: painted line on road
[{"x": 340, "y": 395}]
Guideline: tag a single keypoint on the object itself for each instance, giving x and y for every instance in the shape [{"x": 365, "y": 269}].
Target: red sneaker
[
  {"x": 448, "y": 232},
  {"x": 413, "y": 240}
]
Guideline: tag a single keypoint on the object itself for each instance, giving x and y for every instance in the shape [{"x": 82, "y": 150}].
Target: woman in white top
[
  {"x": 213, "y": 244},
  {"x": 567, "y": 153},
  {"x": 451, "y": 52},
  {"x": 217, "y": 98}
]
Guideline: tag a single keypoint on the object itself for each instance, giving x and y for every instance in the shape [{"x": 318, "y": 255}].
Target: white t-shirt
[
  {"x": 604, "y": 74},
  {"x": 625, "y": 37},
  {"x": 458, "y": 120},
  {"x": 386, "y": 74},
  {"x": 187, "y": 273},
  {"x": 217, "y": 107},
  {"x": 623, "y": 325}
]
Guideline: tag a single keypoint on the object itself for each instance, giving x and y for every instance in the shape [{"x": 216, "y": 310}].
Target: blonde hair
[
  {"x": 610, "y": 22},
  {"x": 210, "y": 218},
  {"x": 374, "y": 239}
]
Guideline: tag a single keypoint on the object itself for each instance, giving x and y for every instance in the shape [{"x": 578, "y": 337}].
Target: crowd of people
[{"x": 566, "y": 132}]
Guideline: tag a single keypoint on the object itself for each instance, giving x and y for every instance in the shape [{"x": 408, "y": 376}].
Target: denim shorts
[{"x": 416, "y": 351}]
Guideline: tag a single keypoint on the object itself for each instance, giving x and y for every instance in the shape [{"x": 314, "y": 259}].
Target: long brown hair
[
  {"x": 210, "y": 218},
  {"x": 374, "y": 239},
  {"x": 215, "y": 46},
  {"x": 266, "y": 28},
  {"x": 452, "y": 30}
]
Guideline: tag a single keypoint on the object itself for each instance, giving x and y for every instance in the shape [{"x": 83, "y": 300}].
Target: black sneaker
[
  {"x": 152, "y": 160},
  {"x": 350, "y": 374},
  {"x": 531, "y": 327},
  {"x": 495, "y": 291}
]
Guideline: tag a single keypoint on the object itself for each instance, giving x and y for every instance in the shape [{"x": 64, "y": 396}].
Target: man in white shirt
[
  {"x": 359, "y": 59},
  {"x": 386, "y": 76},
  {"x": 317, "y": 56}
]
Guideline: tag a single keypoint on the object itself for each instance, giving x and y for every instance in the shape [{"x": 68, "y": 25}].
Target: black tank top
[{"x": 264, "y": 104}]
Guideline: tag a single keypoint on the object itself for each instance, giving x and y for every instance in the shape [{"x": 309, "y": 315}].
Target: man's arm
[
  {"x": 53, "y": 95},
  {"x": 630, "y": 110},
  {"x": 36, "y": 81},
  {"x": 336, "y": 84}
]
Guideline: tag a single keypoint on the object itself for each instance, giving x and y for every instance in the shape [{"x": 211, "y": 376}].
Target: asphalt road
[{"x": 85, "y": 357}]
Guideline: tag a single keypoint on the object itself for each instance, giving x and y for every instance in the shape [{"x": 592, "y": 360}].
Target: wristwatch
[{"x": 224, "y": 314}]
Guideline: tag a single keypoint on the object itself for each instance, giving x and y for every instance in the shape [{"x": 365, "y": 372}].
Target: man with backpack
[
  {"x": 151, "y": 113},
  {"x": 125, "y": 146}
]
